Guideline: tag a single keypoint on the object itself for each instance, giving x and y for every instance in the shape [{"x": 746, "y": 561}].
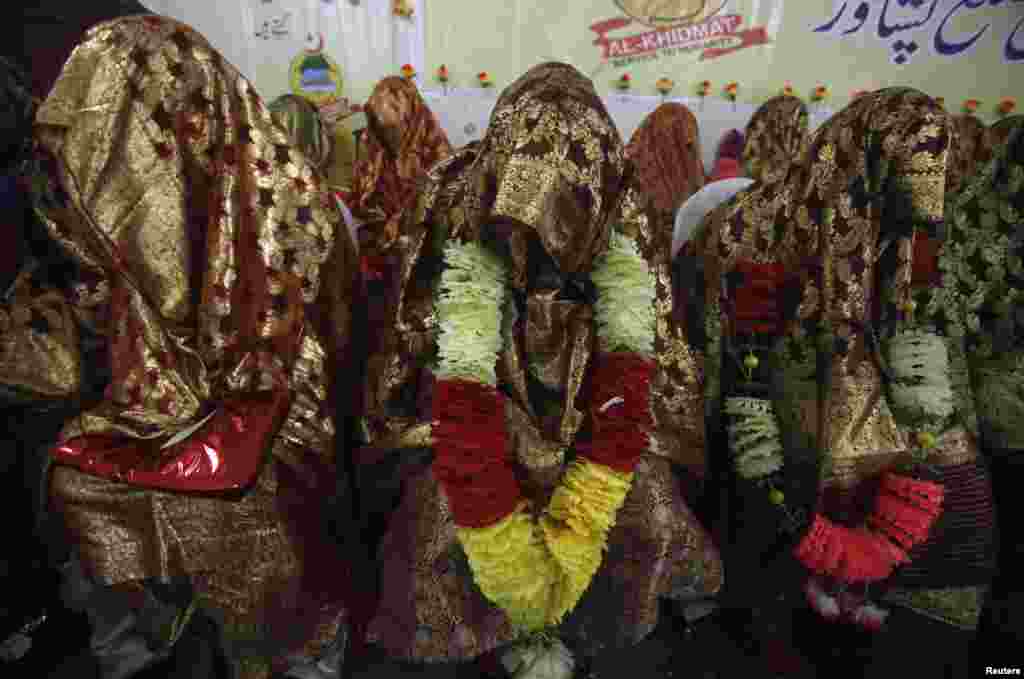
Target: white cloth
[
  {"x": 700, "y": 204},
  {"x": 350, "y": 222}
]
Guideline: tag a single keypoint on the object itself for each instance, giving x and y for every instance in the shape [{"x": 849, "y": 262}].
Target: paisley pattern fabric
[
  {"x": 202, "y": 246},
  {"x": 1000, "y": 131},
  {"x": 403, "y": 141},
  {"x": 968, "y": 153},
  {"x": 982, "y": 260},
  {"x": 774, "y": 137},
  {"x": 842, "y": 224},
  {"x": 665, "y": 152},
  {"x": 305, "y": 129},
  {"x": 542, "y": 188}
]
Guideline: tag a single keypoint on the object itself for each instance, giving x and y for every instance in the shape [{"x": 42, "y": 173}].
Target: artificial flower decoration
[
  {"x": 442, "y": 74},
  {"x": 704, "y": 88},
  {"x": 403, "y": 8},
  {"x": 408, "y": 72},
  {"x": 1007, "y": 106},
  {"x": 484, "y": 79},
  {"x": 787, "y": 89},
  {"x": 731, "y": 90},
  {"x": 624, "y": 82},
  {"x": 820, "y": 93},
  {"x": 664, "y": 85},
  {"x": 971, "y": 106}
]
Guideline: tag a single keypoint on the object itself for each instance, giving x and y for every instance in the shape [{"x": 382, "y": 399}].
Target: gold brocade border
[{"x": 956, "y": 447}]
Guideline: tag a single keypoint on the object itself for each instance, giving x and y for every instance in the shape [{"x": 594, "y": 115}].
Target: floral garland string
[
  {"x": 535, "y": 570},
  {"x": 906, "y": 507}
]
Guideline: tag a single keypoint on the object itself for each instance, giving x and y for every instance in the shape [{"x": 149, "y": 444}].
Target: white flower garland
[
  {"x": 471, "y": 297},
  {"x": 921, "y": 386},
  {"x": 543, "y": 658},
  {"x": 625, "y": 302},
  {"x": 754, "y": 437}
]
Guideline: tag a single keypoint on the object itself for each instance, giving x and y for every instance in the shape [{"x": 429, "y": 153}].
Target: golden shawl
[
  {"x": 205, "y": 243},
  {"x": 403, "y": 141},
  {"x": 774, "y": 137},
  {"x": 828, "y": 226},
  {"x": 542, "y": 186},
  {"x": 554, "y": 191},
  {"x": 307, "y": 132}
]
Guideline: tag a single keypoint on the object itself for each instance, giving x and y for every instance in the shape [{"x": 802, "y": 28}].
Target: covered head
[
  {"x": 968, "y": 151},
  {"x": 552, "y": 163},
  {"x": 774, "y": 137},
  {"x": 306, "y": 130},
  {"x": 666, "y": 156},
  {"x": 999, "y": 132},
  {"x": 403, "y": 141}
]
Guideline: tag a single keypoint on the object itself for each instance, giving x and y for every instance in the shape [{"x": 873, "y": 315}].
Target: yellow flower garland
[{"x": 536, "y": 571}]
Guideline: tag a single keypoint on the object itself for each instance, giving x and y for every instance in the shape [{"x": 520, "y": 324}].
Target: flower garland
[
  {"x": 906, "y": 508},
  {"x": 535, "y": 570},
  {"x": 754, "y": 437}
]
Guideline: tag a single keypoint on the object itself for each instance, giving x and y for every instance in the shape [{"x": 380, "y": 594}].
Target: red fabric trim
[
  {"x": 373, "y": 267},
  {"x": 226, "y": 453},
  {"x": 757, "y": 299},
  {"x": 925, "y": 264},
  {"x": 471, "y": 459},
  {"x": 619, "y": 434}
]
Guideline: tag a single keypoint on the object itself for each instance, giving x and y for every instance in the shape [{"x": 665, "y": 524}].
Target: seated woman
[
  {"x": 868, "y": 473},
  {"x": 510, "y": 477},
  {"x": 985, "y": 219},
  {"x": 206, "y": 267},
  {"x": 774, "y": 138},
  {"x": 403, "y": 140}
]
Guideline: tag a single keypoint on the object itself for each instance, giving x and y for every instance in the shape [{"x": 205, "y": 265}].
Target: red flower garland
[
  {"x": 906, "y": 509},
  {"x": 619, "y": 432},
  {"x": 757, "y": 306},
  {"x": 471, "y": 459},
  {"x": 904, "y": 514}
]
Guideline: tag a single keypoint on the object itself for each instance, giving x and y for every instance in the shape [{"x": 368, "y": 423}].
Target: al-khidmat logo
[{"x": 675, "y": 26}]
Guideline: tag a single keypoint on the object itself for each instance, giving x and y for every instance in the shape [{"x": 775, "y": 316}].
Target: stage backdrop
[{"x": 956, "y": 49}]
